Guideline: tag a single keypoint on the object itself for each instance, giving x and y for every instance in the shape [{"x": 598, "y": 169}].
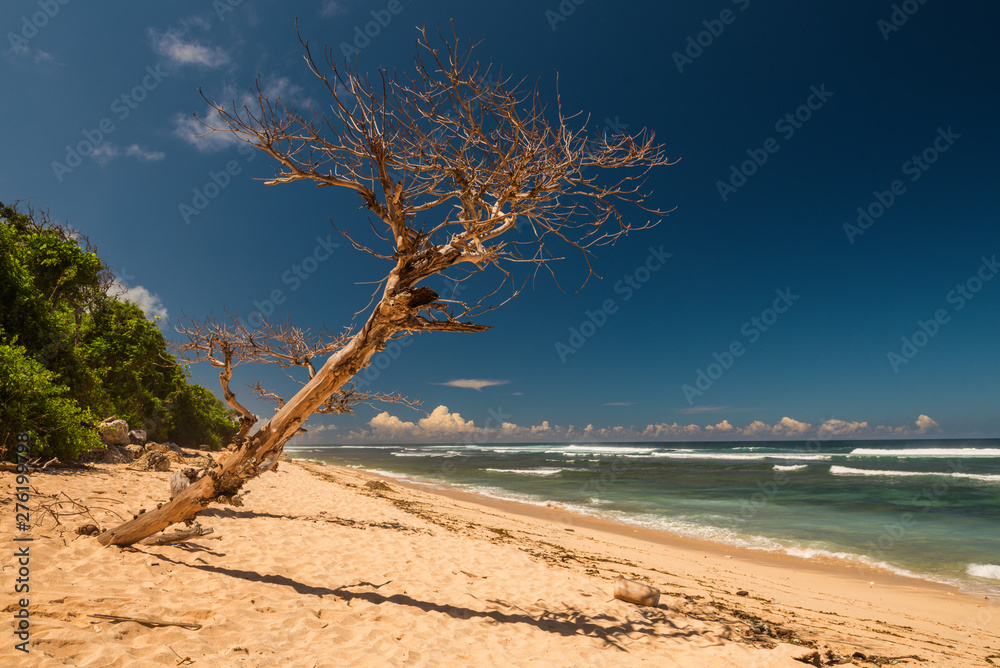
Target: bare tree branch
[{"x": 455, "y": 139}]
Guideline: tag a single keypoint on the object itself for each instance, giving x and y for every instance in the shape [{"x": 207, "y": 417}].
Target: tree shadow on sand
[{"x": 567, "y": 622}]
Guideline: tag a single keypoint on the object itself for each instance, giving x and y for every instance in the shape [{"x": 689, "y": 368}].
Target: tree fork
[{"x": 394, "y": 313}]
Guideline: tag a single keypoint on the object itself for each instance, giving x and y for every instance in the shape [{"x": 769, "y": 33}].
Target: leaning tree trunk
[{"x": 393, "y": 313}]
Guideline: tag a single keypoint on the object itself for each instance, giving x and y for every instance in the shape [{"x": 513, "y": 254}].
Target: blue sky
[{"x": 827, "y": 270}]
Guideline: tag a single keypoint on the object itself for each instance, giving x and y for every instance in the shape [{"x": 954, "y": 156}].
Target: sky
[{"x": 826, "y": 270}]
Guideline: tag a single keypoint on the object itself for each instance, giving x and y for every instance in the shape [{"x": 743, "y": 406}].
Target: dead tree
[{"x": 451, "y": 161}]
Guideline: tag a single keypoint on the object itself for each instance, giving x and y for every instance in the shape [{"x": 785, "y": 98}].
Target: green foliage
[
  {"x": 199, "y": 417},
  {"x": 32, "y": 401},
  {"x": 73, "y": 354},
  {"x": 128, "y": 353}
]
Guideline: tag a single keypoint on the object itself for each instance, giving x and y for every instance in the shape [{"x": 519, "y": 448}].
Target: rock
[
  {"x": 114, "y": 431},
  {"x": 174, "y": 457},
  {"x": 200, "y": 462},
  {"x": 134, "y": 451},
  {"x": 137, "y": 436},
  {"x": 109, "y": 454},
  {"x": 174, "y": 447},
  {"x": 742, "y": 592},
  {"x": 157, "y": 447},
  {"x": 88, "y": 530},
  {"x": 153, "y": 460}
]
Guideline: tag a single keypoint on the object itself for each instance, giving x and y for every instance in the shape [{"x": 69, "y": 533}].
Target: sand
[{"x": 324, "y": 566}]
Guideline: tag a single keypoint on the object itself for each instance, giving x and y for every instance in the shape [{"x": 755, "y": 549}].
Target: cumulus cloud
[
  {"x": 173, "y": 46},
  {"x": 722, "y": 427},
  {"x": 925, "y": 423},
  {"x": 444, "y": 426},
  {"x": 472, "y": 384},
  {"x": 150, "y": 303},
  {"x": 832, "y": 428}
]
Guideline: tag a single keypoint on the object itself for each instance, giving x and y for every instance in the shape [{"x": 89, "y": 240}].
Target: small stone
[{"x": 742, "y": 592}]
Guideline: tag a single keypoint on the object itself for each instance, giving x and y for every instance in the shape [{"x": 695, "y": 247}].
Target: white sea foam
[
  {"x": 408, "y": 453},
  {"x": 979, "y": 476},
  {"x": 793, "y": 467},
  {"x": 991, "y": 571},
  {"x": 540, "y": 471},
  {"x": 791, "y": 456},
  {"x": 925, "y": 452},
  {"x": 846, "y": 470}
]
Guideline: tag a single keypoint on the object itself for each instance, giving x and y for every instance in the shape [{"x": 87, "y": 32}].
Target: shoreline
[
  {"x": 788, "y": 590},
  {"x": 560, "y": 515},
  {"x": 328, "y": 566}
]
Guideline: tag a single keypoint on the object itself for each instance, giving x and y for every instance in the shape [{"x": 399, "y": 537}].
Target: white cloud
[
  {"x": 135, "y": 151},
  {"x": 150, "y": 303},
  {"x": 789, "y": 427},
  {"x": 198, "y": 131},
  {"x": 832, "y": 428},
  {"x": 105, "y": 152},
  {"x": 472, "y": 384},
  {"x": 925, "y": 423},
  {"x": 444, "y": 426},
  {"x": 332, "y": 8},
  {"x": 171, "y": 45},
  {"x": 722, "y": 427}
]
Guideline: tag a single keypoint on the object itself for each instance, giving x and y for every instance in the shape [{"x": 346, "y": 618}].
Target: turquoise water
[{"x": 928, "y": 509}]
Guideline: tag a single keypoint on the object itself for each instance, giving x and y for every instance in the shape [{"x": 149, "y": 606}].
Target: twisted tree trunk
[{"x": 397, "y": 311}]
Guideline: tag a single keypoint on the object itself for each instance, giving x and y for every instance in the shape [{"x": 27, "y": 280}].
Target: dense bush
[
  {"x": 31, "y": 400},
  {"x": 72, "y": 353}
]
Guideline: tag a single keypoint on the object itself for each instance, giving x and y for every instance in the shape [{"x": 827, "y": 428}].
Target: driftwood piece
[
  {"x": 179, "y": 536},
  {"x": 636, "y": 592},
  {"x": 146, "y": 621}
]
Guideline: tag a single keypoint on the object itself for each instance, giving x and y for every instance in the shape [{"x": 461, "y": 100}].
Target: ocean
[{"x": 926, "y": 509}]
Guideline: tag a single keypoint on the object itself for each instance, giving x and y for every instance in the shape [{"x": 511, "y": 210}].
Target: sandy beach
[{"x": 324, "y": 566}]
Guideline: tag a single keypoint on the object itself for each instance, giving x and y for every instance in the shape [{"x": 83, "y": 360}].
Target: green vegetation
[{"x": 71, "y": 353}]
